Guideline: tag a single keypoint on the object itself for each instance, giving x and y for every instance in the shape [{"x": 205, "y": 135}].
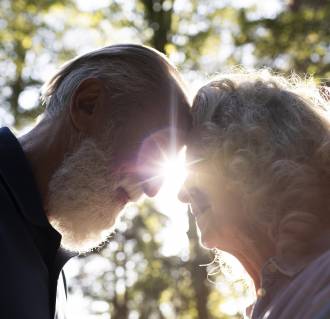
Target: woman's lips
[{"x": 198, "y": 211}]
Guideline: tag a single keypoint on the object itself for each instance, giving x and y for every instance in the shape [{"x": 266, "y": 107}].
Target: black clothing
[{"x": 31, "y": 257}]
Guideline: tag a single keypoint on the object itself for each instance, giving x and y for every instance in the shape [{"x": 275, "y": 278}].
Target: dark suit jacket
[{"x": 31, "y": 259}]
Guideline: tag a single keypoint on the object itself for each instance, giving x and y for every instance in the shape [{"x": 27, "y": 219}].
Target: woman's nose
[
  {"x": 187, "y": 189},
  {"x": 183, "y": 195},
  {"x": 194, "y": 196}
]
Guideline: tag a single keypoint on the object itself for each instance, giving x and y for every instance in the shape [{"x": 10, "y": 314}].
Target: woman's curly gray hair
[{"x": 270, "y": 136}]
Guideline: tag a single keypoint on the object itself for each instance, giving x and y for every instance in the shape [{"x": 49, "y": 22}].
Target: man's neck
[{"x": 45, "y": 146}]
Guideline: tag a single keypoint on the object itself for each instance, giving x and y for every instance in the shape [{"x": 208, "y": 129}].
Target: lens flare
[{"x": 174, "y": 172}]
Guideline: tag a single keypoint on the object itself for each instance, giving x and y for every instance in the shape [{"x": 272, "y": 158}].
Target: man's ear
[{"x": 85, "y": 104}]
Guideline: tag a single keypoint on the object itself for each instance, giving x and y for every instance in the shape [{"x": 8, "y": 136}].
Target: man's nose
[
  {"x": 150, "y": 156},
  {"x": 187, "y": 189},
  {"x": 152, "y": 185},
  {"x": 148, "y": 171}
]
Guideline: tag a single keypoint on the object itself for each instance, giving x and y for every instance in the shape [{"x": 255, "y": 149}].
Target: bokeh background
[{"x": 153, "y": 267}]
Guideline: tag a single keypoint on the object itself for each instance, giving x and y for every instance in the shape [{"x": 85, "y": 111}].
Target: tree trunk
[
  {"x": 159, "y": 19},
  {"x": 198, "y": 273}
]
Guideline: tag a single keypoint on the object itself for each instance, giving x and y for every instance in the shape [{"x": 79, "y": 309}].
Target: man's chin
[
  {"x": 85, "y": 234},
  {"x": 85, "y": 245}
]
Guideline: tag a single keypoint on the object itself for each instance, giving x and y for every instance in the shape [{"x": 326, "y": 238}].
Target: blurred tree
[
  {"x": 131, "y": 275},
  {"x": 21, "y": 21},
  {"x": 158, "y": 15},
  {"x": 297, "y": 38},
  {"x": 198, "y": 274},
  {"x": 134, "y": 277},
  {"x": 35, "y": 35},
  {"x": 189, "y": 32},
  {"x": 185, "y": 33}
]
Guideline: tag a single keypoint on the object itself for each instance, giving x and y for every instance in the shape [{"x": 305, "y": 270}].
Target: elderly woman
[{"x": 259, "y": 186}]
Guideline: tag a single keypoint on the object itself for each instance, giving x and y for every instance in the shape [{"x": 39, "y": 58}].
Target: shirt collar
[
  {"x": 291, "y": 267},
  {"x": 278, "y": 272}
]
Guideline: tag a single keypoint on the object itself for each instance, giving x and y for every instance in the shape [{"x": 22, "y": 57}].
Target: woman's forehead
[{"x": 196, "y": 150}]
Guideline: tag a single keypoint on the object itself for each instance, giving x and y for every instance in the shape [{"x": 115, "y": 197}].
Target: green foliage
[
  {"x": 35, "y": 36},
  {"x": 131, "y": 274},
  {"x": 25, "y": 37},
  {"x": 135, "y": 277},
  {"x": 297, "y": 38}
]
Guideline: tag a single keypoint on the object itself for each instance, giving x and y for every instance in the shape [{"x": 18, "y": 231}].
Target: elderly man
[{"x": 109, "y": 116}]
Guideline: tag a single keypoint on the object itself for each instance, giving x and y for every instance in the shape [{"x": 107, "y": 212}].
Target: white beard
[{"x": 82, "y": 204}]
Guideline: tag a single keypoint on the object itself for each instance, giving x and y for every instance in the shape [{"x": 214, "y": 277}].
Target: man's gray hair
[{"x": 129, "y": 71}]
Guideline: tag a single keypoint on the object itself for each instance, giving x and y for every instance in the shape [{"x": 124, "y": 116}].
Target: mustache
[{"x": 131, "y": 185}]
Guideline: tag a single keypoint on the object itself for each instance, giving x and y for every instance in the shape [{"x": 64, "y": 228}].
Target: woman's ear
[
  {"x": 296, "y": 232},
  {"x": 85, "y": 104}
]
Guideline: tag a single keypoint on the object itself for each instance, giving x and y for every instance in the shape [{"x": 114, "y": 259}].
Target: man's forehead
[
  {"x": 183, "y": 120},
  {"x": 171, "y": 117}
]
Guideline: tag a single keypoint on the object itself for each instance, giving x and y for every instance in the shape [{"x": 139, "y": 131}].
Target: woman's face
[{"x": 217, "y": 209}]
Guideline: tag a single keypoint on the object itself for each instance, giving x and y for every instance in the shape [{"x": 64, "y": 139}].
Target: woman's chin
[{"x": 207, "y": 242}]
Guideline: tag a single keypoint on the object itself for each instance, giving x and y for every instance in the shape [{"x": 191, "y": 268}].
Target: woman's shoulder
[
  {"x": 305, "y": 295},
  {"x": 317, "y": 280}
]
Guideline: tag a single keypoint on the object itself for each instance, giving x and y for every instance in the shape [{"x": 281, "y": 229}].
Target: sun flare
[{"x": 174, "y": 172}]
